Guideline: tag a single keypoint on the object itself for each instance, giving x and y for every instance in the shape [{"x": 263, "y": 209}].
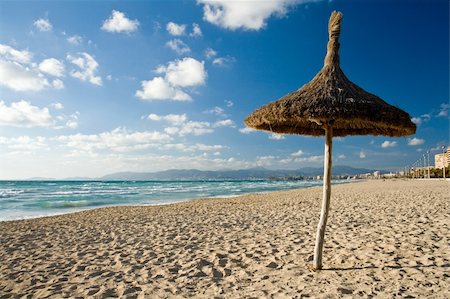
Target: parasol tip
[
  {"x": 334, "y": 25},
  {"x": 334, "y": 30}
]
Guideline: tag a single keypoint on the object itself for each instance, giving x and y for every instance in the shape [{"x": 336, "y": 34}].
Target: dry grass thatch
[{"x": 330, "y": 98}]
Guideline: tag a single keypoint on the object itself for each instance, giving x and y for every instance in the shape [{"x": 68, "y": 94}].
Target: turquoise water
[{"x": 30, "y": 199}]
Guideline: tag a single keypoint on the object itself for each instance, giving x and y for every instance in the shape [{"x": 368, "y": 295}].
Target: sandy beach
[{"x": 384, "y": 239}]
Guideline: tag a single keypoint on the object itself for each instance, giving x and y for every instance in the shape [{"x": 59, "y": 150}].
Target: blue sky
[{"x": 90, "y": 88}]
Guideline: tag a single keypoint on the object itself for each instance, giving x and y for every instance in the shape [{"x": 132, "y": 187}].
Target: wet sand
[{"x": 384, "y": 239}]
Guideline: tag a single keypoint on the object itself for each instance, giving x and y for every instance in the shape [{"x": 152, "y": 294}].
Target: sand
[{"x": 384, "y": 239}]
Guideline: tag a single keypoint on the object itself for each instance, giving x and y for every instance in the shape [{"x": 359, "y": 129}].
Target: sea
[{"x": 31, "y": 199}]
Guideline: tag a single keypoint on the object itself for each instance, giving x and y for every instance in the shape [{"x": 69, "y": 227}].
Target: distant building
[
  {"x": 389, "y": 175},
  {"x": 441, "y": 160}
]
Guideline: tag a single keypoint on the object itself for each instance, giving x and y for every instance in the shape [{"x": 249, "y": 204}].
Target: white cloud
[
  {"x": 341, "y": 156},
  {"x": 216, "y": 110},
  {"x": 118, "y": 140},
  {"x": 72, "y": 124},
  {"x": 159, "y": 89},
  {"x": 187, "y": 72},
  {"x": 181, "y": 126},
  {"x": 275, "y": 136},
  {"x": 415, "y": 141},
  {"x": 247, "y": 15},
  {"x": 174, "y": 119},
  {"x": 298, "y": 153},
  {"x": 426, "y": 117},
  {"x": 193, "y": 148},
  {"x": 224, "y": 123},
  {"x": 75, "y": 39},
  {"x": 20, "y": 78},
  {"x": 17, "y": 71},
  {"x": 171, "y": 130},
  {"x": 264, "y": 161},
  {"x": 362, "y": 154},
  {"x": 24, "y": 114},
  {"x": 154, "y": 117},
  {"x": 286, "y": 161},
  {"x": 301, "y": 157},
  {"x": 87, "y": 68},
  {"x": 223, "y": 61},
  {"x": 57, "y": 105},
  {"x": 205, "y": 147},
  {"x": 218, "y": 61},
  {"x": 176, "y": 146},
  {"x": 178, "y": 46},
  {"x": 118, "y": 22},
  {"x": 196, "y": 31},
  {"x": 210, "y": 53},
  {"x": 298, "y": 157},
  {"x": 11, "y": 54},
  {"x": 24, "y": 144},
  {"x": 43, "y": 25},
  {"x": 421, "y": 119},
  {"x": 387, "y": 144},
  {"x": 195, "y": 128},
  {"x": 309, "y": 159},
  {"x": 417, "y": 120},
  {"x": 162, "y": 162},
  {"x": 246, "y": 130},
  {"x": 176, "y": 29},
  {"x": 443, "y": 111},
  {"x": 52, "y": 66},
  {"x": 219, "y": 111},
  {"x": 57, "y": 84}
]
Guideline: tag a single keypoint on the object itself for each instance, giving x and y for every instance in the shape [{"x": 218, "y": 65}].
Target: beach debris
[{"x": 331, "y": 105}]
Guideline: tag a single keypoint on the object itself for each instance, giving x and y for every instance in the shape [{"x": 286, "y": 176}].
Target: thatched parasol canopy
[
  {"x": 331, "y": 105},
  {"x": 331, "y": 96}
]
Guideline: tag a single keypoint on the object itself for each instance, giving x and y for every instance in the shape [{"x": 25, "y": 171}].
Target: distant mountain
[
  {"x": 251, "y": 173},
  {"x": 340, "y": 170}
]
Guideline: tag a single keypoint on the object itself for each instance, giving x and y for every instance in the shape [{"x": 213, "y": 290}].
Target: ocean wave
[
  {"x": 92, "y": 192},
  {"x": 31, "y": 198},
  {"x": 66, "y": 204},
  {"x": 5, "y": 193}
]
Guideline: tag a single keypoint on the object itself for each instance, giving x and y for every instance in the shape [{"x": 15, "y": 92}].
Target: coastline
[
  {"x": 52, "y": 198},
  {"x": 384, "y": 238}
]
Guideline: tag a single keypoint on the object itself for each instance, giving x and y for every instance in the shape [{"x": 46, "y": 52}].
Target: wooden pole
[
  {"x": 331, "y": 60},
  {"x": 317, "y": 263}
]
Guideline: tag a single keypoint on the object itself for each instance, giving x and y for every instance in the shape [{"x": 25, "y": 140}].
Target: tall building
[{"x": 441, "y": 160}]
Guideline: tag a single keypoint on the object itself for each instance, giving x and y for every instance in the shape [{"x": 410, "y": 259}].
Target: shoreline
[
  {"x": 383, "y": 239},
  {"x": 163, "y": 202}
]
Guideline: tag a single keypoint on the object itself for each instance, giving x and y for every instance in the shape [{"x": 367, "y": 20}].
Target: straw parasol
[{"x": 331, "y": 105}]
